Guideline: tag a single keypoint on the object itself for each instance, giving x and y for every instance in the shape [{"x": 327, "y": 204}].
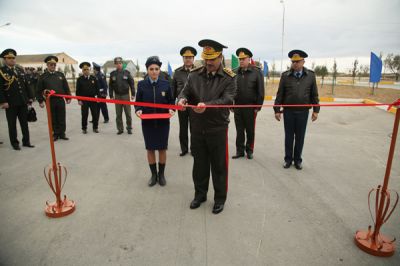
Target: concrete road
[{"x": 273, "y": 216}]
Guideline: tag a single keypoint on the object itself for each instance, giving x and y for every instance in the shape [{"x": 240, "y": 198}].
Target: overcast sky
[{"x": 90, "y": 30}]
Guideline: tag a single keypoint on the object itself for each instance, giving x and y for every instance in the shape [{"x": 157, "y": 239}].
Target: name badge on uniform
[
  {"x": 163, "y": 93},
  {"x": 93, "y": 81},
  {"x": 60, "y": 78},
  {"x": 125, "y": 77},
  {"x": 114, "y": 78}
]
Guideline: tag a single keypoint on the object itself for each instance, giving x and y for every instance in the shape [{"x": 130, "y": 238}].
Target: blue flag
[
  {"x": 375, "y": 68},
  {"x": 265, "y": 68},
  {"x": 169, "y": 70}
]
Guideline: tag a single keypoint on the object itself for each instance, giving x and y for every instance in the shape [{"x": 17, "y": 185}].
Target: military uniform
[
  {"x": 178, "y": 82},
  {"x": 120, "y": 83},
  {"x": 15, "y": 92},
  {"x": 54, "y": 81},
  {"x": 88, "y": 86},
  {"x": 209, "y": 129},
  {"x": 250, "y": 90},
  {"x": 103, "y": 92},
  {"x": 296, "y": 88}
]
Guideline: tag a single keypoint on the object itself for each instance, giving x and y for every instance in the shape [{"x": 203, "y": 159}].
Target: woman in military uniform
[{"x": 155, "y": 131}]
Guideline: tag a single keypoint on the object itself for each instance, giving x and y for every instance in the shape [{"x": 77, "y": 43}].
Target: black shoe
[
  {"x": 64, "y": 137},
  {"x": 154, "y": 177},
  {"x": 28, "y": 145},
  {"x": 1, "y": 142},
  {"x": 237, "y": 156},
  {"x": 95, "y": 130},
  {"x": 286, "y": 165},
  {"x": 16, "y": 147},
  {"x": 196, "y": 203},
  {"x": 161, "y": 180},
  {"x": 84, "y": 131},
  {"x": 152, "y": 180},
  {"x": 55, "y": 138},
  {"x": 91, "y": 121},
  {"x": 183, "y": 153},
  {"x": 105, "y": 121},
  {"x": 218, "y": 207},
  {"x": 250, "y": 155},
  {"x": 298, "y": 166},
  {"x": 130, "y": 131},
  {"x": 120, "y": 132}
]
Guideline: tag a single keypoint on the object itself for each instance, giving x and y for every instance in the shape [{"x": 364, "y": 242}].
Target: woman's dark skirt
[{"x": 156, "y": 137}]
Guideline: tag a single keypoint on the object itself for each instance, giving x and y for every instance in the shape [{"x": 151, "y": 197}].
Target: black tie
[{"x": 298, "y": 74}]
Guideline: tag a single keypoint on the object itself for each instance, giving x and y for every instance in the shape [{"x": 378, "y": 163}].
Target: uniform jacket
[
  {"x": 13, "y": 87},
  {"x": 160, "y": 92},
  {"x": 122, "y": 86},
  {"x": 211, "y": 90},
  {"x": 250, "y": 86},
  {"x": 52, "y": 81},
  {"x": 297, "y": 91}
]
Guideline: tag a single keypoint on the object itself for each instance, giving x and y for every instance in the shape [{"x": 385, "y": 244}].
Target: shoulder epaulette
[
  {"x": 196, "y": 68},
  {"x": 179, "y": 68},
  {"x": 229, "y": 72}
]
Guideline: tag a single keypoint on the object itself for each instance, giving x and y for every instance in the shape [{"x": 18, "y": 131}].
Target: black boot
[
  {"x": 153, "y": 178},
  {"x": 161, "y": 177}
]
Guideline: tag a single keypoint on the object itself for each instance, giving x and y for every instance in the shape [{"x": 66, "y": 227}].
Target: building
[
  {"x": 37, "y": 61},
  {"x": 109, "y": 66}
]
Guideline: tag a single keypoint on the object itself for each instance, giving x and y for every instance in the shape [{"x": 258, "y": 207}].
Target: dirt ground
[{"x": 382, "y": 95}]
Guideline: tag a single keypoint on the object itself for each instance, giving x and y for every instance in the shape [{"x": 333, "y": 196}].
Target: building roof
[{"x": 39, "y": 58}]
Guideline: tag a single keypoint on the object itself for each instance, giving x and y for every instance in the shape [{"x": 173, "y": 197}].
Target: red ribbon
[{"x": 177, "y": 107}]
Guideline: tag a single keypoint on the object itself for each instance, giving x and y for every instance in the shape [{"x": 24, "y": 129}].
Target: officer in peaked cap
[
  {"x": 296, "y": 86},
  {"x": 120, "y": 84},
  {"x": 103, "y": 91},
  {"x": 54, "y": 80},
  {"x": 250, "y": 91},
  {"x": 14, "y": 98},
  {"x": 87, "y": 86},
  {"x": 178, "y": 82},
  {"x": 209, "y": 85}
]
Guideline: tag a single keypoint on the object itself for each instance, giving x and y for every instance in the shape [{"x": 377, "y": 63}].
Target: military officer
[
  {"x": 54, "y": 80},
  {"x": 178, "y": 82},
  {"x": 87, "y": 86},
  {"x": 120, "y": 83},
  {"x": 15, "y": 97},
  {"x": 297, "y": 86},
  {"x": 209, "y": 85},
  {"x": 103, "y": 91},
  {"x": 250, "y": 90}
]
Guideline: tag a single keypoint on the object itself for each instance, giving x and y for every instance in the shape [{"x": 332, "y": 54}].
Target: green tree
[
  {"x": 321, "y": 71},
  {"x": 392, "y": 62}
]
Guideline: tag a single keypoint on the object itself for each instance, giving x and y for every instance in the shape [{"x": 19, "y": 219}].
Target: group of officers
[{"x": 199, "y": 86}]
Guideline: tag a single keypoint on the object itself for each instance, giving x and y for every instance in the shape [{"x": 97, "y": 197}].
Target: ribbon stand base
[
  {"x": 54, "y": 211},
  {"x": 364, "y": 241}
]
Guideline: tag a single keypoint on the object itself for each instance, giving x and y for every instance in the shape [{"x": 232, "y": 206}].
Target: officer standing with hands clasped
[
  {"x": 250, "y": 91},
  {"x": 297, "y": 86},
  {"x": 54, "y": 80},
  {"x": 15, "y": 97},
  {"x": 121, "y": 82},
  {"x": 87, "y": 86},
  {"x": 178, "y": 82},
  {"x": 211, "y": 84}
]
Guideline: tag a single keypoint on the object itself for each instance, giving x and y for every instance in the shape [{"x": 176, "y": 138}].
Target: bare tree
[
  {"x": 392, "y": 62},
  {"x": 354, "y": 71},
  {"x": 334, "y": 75},
  {"x": 321, "y": 71}
]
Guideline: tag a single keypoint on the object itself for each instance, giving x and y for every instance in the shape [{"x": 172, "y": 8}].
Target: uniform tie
[{"x": 298, "y": 75}]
